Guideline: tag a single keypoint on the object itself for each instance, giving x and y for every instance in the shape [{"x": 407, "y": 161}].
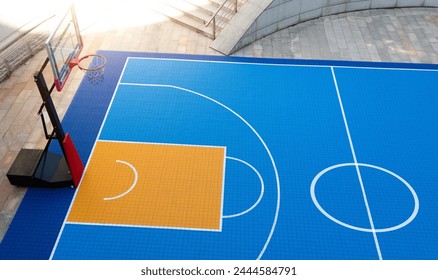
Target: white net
[{"x": 94, "y": 66}]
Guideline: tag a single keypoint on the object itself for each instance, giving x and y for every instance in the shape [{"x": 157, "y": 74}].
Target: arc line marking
[
  {"x": 132, "y": 186},
  {"x": 356, "y": 164},
  {"x": 262, "y": 191},
  {"x": 271, "y": 157}
]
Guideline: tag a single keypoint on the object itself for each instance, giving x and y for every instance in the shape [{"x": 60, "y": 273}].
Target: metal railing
[{"x": 213, "y": 17}]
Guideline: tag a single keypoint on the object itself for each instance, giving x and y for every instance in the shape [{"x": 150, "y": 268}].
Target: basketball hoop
[{"x": 93, "y": 65}]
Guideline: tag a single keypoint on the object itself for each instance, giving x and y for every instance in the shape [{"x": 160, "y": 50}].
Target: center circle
[{"x": 325, "y": 213}]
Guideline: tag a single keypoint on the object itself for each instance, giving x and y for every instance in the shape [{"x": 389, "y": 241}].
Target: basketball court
[{"x": 205, "y": 157}]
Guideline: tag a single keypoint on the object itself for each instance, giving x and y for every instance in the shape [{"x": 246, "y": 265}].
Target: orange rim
[{"x": 92, "y": 68}]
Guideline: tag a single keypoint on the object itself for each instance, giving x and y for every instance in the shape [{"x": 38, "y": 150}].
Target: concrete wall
[
  {"x": 21, "y": 40},
  {"x": 284, "y": 13}
]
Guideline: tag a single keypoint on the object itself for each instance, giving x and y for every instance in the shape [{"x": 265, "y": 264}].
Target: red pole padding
[{"x": 73, "y": 160}]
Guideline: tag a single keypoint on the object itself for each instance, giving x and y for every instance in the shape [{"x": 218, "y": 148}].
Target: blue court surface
[{"x": 321, "y": 160}]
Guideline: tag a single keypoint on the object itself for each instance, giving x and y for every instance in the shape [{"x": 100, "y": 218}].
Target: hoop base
[{"x": 73, "y": 62}]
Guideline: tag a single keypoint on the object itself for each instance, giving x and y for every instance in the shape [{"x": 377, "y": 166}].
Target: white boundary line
[
  {"x": 395, "y": 68},
  {"x": 264, "y": 144},
  {"x": 139, "y": 226},
  {"x": 55, "y": 246},
  {"x": 157, "y": 143},
  {"x": 356, "y": 164},
  {"x": 223, "y": 187}
]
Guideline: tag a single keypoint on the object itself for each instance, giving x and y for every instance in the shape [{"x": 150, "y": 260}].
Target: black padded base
[{"x": 34, "y": 168}]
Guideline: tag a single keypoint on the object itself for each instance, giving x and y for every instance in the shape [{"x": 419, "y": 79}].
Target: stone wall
[
  {"x": 20, "y": 51},
  {"x": 281, "y": 14},
  {"x": 21, "y": 44}
]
